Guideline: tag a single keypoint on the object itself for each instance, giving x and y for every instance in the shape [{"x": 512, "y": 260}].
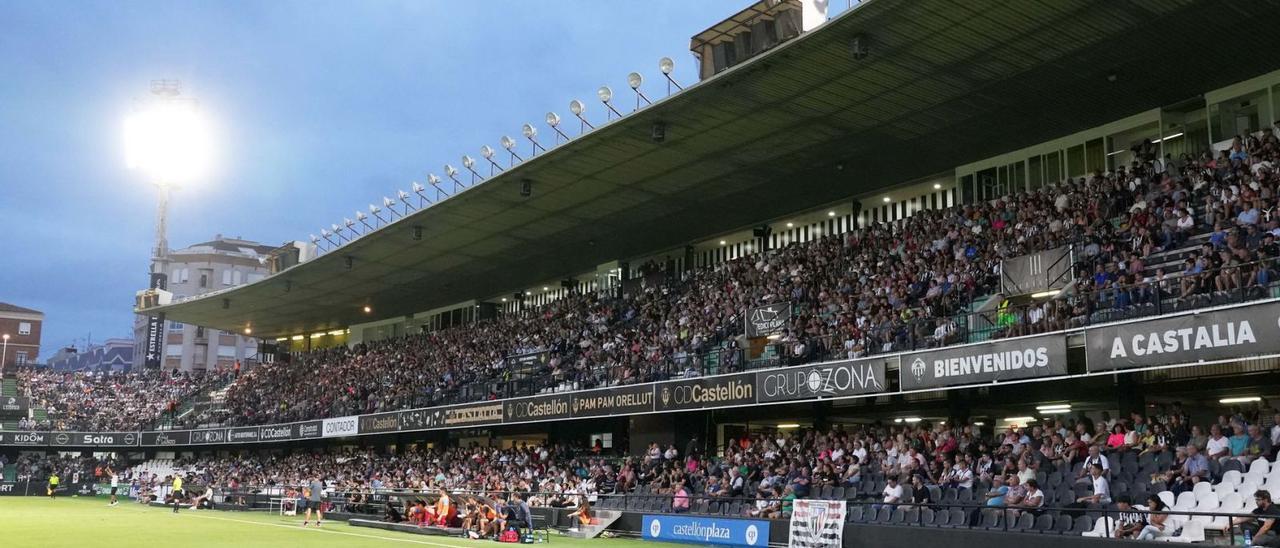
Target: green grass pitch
[{"x": 31, "y": 522}]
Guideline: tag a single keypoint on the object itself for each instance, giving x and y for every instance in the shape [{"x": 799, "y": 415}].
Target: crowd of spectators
[
  {"x": 884, "y": 287},
  {"x": 106, "y": 401},
  {"x": 1071, "y": 464}
]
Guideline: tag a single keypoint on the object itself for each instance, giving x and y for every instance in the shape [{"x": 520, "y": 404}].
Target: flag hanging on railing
[{"x": 817, "y": 524}]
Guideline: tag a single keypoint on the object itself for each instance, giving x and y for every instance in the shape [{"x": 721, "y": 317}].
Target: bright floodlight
[
  {"x": 168, "y": 141},
  {"x": 528, "y": 131},
  {"x": 605, "y": 94},
  {"x": 433, "y": 179},
  {"x": 419, "y": 188},
  {"x": 451, "y": 171},
  {"x": 666, "y": 65},
  {"x": 486, "y": 151},
  {"x": 634, "y": 80},
  {"x": 507, "y": 142},
  {"x": 577, "y": 107},
  {"x": 553, "y": 119}
]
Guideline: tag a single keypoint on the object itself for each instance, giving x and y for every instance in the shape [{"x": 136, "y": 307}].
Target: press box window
[{"x": 24, "y": 328}]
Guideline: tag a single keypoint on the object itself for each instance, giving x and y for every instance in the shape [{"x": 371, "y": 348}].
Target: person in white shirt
[
  {"x": 1095, "y": 457},
  {"x": 1275, "y": 437},
  {"x": 892, "y": 494},
  {"x": 1218, "y": 445}
]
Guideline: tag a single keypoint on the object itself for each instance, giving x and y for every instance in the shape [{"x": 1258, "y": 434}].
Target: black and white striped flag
[{"x": 817, "y": 523}]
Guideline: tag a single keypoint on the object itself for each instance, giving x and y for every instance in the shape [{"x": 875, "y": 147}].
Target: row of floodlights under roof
[{"x": 350, "y": 229}]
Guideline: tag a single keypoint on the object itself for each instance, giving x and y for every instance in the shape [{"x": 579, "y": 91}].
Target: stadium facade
[
  {"x": 915, "y": 126},
  {"x": 951, "y": 104}
]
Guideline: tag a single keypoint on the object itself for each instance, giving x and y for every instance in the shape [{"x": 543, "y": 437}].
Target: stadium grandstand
[{"x": 930, "y": 271}]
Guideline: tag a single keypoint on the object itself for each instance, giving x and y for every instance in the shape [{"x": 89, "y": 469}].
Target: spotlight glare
[{"x": 367, "y": 309}]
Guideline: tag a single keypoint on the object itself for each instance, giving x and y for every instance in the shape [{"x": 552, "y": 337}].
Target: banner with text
[
  {"x": 817, "y": 524},
  {"x": 539, "y": 408},
  {"x": 14, "y": 405},
  {"x": 339, "y": 427},
  {"x": 706, "y": 530},
  {"x": 824, "y": 380},
  {"x": 94, "y": 439},
  {"x": 704, "y": 392},
  {"x": 1003, "y": 360},
  {"x": 380, "y": 423},
  {"x": 166, "y": 439},
  {"x": 767, "y": 320},
  {"x": 619, "y": 400},
  {"x": 1242, "y": 332}
]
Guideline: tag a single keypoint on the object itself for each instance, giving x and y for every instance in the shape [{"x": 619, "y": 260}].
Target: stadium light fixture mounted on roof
[
  {"x": 666, "y": 65},
  {"x": 434, "y": 181},
  {"x": 452, "y": 173},
  {"x": 404, "y": 197},
  {"x": 606, "y": 95},
  {"x": 325, "y": 234},
  {"x": 487, "y": 153},
  {"x": 360, "y": 216},
  {"x": 635, "y": 80},
  {"x": 577, "y": 108},
  {"x": 553, "y": 120},
  {"x": 531, "y": 133},
  {"x": 337, "y": 231},
  {"x": 510, "y": 144},
  {"x": 390, "y": 205},
  {"x": 375, "y": 210},
  {"x": 419, "y": 190}
]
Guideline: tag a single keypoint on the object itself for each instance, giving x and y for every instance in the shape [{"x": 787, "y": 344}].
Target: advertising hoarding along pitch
[
  {"x": 1242, "y": 332},
  {"x": 706, "y": 530},
  {"x": 1003, "y": 360},
  {"x": 619, "y": 400}
]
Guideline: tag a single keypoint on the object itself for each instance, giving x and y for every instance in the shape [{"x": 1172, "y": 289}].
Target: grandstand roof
[{"x": 947, "y": 82}]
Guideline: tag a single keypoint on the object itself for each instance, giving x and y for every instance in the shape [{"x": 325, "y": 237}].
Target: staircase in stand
[{"x": 602, "y": 520}]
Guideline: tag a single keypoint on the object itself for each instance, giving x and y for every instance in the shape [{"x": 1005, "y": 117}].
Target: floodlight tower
[{"x": 167, "y": 140}]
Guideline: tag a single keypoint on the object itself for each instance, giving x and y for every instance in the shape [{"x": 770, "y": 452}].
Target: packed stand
[
  {"x": 1161, "y": 234},
  {"x": 105, "y": 402}
]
